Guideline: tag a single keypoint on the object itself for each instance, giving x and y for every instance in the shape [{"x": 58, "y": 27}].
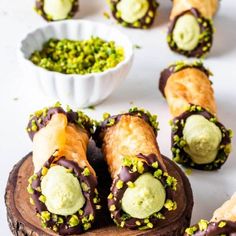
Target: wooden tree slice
[{"x": 23, "y": 221}]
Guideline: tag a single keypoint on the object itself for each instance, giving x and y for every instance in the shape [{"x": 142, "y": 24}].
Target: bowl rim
[{"x": 126, "y": 60}]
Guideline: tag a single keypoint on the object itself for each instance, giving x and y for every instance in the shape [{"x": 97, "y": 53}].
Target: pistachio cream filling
[
  {"x": 186, "y": 32},
  {"x": 203, "y": 138},
  {"x": 132, "y": 10},
  {"x": 62, "y": 191},
  {"x": 57, "y": 9},
  {"x": 146, "y": 197}
]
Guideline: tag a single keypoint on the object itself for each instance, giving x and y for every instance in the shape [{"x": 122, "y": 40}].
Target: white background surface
[{"x": 19, "y": 97}]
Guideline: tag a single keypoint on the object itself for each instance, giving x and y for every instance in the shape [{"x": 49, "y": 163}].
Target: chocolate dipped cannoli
[
  {"x": 199, "y": 140},
  {"x": 134, "y": 13},
  {"x": 63, "y": 186},
  {"x": 142, "y": 194},
  {"x": 222, "y": 223},
  {"x": 191, "y": 27},
  {"x": 53, "y": 10}
]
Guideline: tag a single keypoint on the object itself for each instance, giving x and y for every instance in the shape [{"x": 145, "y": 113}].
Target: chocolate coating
[
  {"x": 141, "y": 23},
  {"x": 183, "y": 157},
  {"x": 206, "y": 30},
  {"x": 213, "y": 229},
  {"x": 41, "y": 119}
]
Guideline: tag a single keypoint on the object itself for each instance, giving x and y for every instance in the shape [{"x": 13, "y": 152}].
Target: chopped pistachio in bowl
[{"x": 81, "y": 85}]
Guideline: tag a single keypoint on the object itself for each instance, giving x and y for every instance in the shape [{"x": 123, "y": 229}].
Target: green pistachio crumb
[
  {"x": 32, "y": 178},
  {"x": 42, "y": 198},
  {"x": 54, "y": 228},
  {"x": 44, "y": 171},
  {"x": 151, "y": 13},
  {"x": 171, "y": 182},
  {"x": 137, "y": 222},
  {"x": 202, "y": 224},
  {"x": 222, "y": 224},
  {"x": 110, "y": 196},
  {"x": 87, "y": 226},
  {"x": 39, "y": 189},
  {"x": 157, "y": 173},
  {"x": 45, "y": 216},
  {"x": 170, "y": 205},
  {"x": 54, "y": 217},
  {"x": 119, "y": 184},
  {"x": 227, "y": 148},
  {"x": 155, "y": 164},
  {"x": 30, "y": 189},
  {"x": 74, "y": 221},
  {"x": 106, "y": 116},
  {"x": 188, "y": 171},
  {"x": 81, "y": 212},
  {"x": 140, "y": 167},
  {"x": 190, "y": 231},
  {"x": 32, "y": 201},
  {"x": 106, "y": 15},
  {"x": 78, "y": 57},
  {"x": 85, "y": 187},
  {"x": 86, "y": 171},
  {"x": 112, "y": 208},
  {"x": 130, "y": 184},
  {"x": 96, "y": 200},
  {"x": 150, "y": 225},
  {"x": 91, "y": 217},
  {"x": 122, "y": 224},
  {"x": 231, "y": 134},
  {"x": 136, "y": 46},
  {"x": 159, "y": 216}
]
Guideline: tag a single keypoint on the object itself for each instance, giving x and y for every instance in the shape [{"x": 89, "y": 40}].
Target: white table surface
[{"x": 19, "y": 97}]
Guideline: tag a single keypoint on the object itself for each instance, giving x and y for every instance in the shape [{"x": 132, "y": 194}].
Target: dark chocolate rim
[
  {"x": 128, "y": 174},
  {"x": 39, "y": 9},
  {"x": 206, "y": 37},
  {"x": 85, "y": 215},
  {"x": 112, "y": 120},
  {"x": 145, "y": 22},
  {"x": 205, "y": 228},
  {"x": 176, "y": 67},
  {"x": 41, "y": 118},
  {"x": 178, "y": 143}
]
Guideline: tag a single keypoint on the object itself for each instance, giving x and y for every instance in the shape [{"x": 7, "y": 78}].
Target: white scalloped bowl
[{"x": 74, "y": 89}]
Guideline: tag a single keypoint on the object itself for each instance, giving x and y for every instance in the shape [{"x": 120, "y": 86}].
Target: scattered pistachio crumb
[
  {"x": 106, "y": 15},
  {"x": 136, "y": 46},
  {"x": 188, "y": 171}
]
